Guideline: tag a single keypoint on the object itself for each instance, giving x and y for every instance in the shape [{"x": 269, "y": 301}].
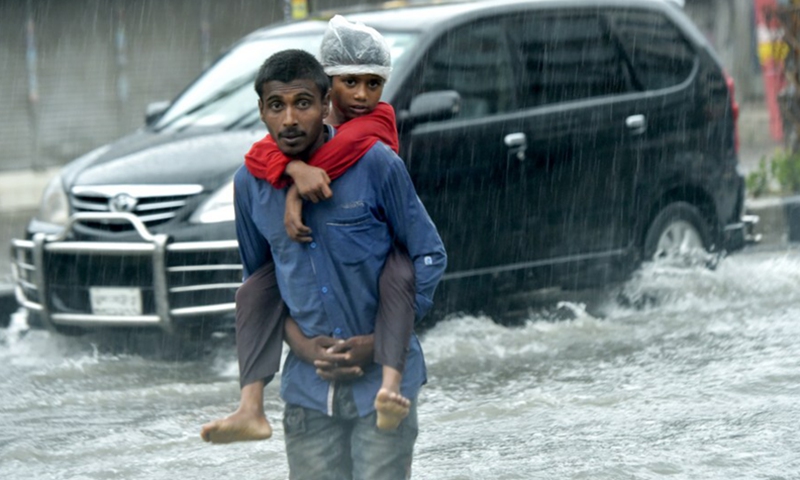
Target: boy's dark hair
[{"x": 289, "y": 65}]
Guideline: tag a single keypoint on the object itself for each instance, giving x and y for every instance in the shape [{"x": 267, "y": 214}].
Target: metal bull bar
[{"x": 156, "y": 246}]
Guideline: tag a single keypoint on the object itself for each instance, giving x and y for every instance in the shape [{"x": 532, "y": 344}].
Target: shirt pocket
[{"x": 353, "y": 238}]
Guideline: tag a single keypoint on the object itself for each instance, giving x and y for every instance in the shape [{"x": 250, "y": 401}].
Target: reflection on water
[{"x": 686, "y": 373}]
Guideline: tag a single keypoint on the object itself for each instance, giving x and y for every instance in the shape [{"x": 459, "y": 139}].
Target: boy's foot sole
[
  {"x": 391, "y": 408},
  {"x": 236, "y": 428}
]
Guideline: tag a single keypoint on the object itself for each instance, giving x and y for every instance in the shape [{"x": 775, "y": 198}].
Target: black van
[{"x": 554, "y": 143}]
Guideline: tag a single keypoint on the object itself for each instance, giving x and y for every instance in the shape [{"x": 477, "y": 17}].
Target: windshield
[{"x": 224, "y": 97}]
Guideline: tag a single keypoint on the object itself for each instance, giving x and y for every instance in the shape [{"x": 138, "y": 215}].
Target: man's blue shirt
[{"x": 331, "y": 284}]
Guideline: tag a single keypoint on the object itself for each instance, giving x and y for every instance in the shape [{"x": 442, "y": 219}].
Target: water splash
[{"x": 755, "y": 280}]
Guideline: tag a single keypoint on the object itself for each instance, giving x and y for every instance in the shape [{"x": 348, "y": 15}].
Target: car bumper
[
  {"x": 737, "y": 235},
  {"x": 157, "y": 283}
]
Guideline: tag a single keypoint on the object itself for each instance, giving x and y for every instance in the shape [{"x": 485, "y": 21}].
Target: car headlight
[
  {"x": 218, "y": 207},
  {"x": 55, "y": 206}
]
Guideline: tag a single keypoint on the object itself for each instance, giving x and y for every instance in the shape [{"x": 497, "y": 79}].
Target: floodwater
[{"x": 695, "y": 374}]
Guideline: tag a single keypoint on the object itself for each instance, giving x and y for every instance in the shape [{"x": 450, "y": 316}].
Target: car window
[
  {"x": 565, "y": 56},
  {"x": 473, "y": 60},
  {"x": 224, "y": 93},
  {"x": 223, "y": 96},
  {"x": 660, "y": 55}
]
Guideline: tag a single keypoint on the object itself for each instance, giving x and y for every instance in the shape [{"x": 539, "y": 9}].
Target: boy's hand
[
  {"x": 293, "y": 217},
  {"x": 312, "y": 183}
]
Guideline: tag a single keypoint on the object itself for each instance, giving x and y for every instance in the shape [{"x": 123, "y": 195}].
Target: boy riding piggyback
[{"x": 358, "y": 61}]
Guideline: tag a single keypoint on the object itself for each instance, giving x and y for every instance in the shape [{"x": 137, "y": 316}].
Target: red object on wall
[{"x": 770, "y": 52}]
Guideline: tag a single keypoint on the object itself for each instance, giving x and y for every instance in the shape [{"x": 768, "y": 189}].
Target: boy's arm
[
  {"x": 312, "y": 183},
  {"x": 354, "y": 138},
  {"x": 265, "y": 160},
  {"x": 335, "y": 157},
  {"x": 293, "y": 217},
  {"x": 414, "y": 229},
  {"x": 348, "y": 145}
]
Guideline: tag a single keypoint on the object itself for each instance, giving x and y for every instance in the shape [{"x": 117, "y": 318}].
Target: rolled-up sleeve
[{"x": 413, "y": 228}]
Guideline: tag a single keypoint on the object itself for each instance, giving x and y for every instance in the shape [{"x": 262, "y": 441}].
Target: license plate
[{"x": 116, "y": 301}]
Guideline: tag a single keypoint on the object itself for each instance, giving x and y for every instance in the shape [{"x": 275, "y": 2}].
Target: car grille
[
  {"x": 70, "y": 276},
  {"x": 200, "y": 279},
  {"x": 153, "y": 204},
  {"x": 194, "y": 279}
]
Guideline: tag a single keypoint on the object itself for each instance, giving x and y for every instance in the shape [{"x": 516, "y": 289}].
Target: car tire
[{"x": 677, "y": 229}]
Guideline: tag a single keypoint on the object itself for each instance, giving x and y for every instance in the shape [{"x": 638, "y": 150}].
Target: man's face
[
  {"x": 355, "y": 95},
  {"x": 293, "y": 113}
]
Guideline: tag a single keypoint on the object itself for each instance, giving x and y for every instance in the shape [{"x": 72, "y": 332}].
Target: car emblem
[{"x": 122, "y": 203}]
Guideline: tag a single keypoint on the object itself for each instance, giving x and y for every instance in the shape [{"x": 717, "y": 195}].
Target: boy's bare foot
[
  {"x": 237, "y": 427},
  {"x": 392, "y": 408}
]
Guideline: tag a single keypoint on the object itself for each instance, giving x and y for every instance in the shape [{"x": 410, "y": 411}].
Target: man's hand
[
  {"x": 335, "y": 359},
  {"x": 346, "y": 357},
  {"x": 312, "y": 183},
  {"x": 293, "y": 217}
]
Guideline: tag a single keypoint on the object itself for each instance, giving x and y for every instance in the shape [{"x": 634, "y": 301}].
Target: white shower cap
[{"x": 354, "y": 49}]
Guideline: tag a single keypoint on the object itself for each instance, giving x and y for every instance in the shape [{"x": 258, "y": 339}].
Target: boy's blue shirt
[{"x": 331, "y": 284}]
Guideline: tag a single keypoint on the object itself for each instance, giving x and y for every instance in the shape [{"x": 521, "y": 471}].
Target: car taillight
[{"x": 734, "y": 110}]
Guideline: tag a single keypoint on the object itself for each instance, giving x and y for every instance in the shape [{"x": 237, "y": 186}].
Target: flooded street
[{"x": 680, "y": 373}]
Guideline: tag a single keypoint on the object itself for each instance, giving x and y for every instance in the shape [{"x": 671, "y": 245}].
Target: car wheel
[{"x": 678, "y": 230}]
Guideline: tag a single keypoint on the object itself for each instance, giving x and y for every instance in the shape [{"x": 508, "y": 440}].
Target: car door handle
[
  {"x": 517, "y": 143},
  {"x": 518, "y": 139},
  {"x": 637, "y": 124}
]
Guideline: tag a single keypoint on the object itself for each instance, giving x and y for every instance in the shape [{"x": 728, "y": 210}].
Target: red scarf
[{"x": 352, "y": 140}]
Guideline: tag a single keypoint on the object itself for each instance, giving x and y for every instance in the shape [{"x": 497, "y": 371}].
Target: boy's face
[
  {"x": 356, "y": 95},
  {"x": 293, "y": 113}
]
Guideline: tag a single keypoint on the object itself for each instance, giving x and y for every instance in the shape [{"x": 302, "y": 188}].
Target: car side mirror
[
  {"x": 432, "y": 107},
  {"x": 153, "y": 112}
]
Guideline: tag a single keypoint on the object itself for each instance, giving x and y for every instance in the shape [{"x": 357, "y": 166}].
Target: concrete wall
[
  {"x": 98, "y": 63},
  {"x": 729, "y": 26}
]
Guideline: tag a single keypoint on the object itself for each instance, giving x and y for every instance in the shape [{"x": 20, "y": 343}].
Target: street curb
[
  {"x": 22, "y": 189},
  {"x": 779, "y": 219}
]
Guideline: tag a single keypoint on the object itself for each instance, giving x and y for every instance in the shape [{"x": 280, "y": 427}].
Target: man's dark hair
[{"x": 289, "y": 65}]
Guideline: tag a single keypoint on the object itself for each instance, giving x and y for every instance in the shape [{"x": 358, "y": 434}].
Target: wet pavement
[{"x": 679, "y": 373}]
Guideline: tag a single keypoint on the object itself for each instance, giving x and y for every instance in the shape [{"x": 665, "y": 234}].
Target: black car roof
[
  {"x": 431, "y": 16},
  {"x": 423, "y": 15}
]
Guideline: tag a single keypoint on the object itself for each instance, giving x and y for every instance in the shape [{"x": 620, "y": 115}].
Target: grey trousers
[
  {"x": 260, "y": 316},
  {"x": 345, "y": 446}
]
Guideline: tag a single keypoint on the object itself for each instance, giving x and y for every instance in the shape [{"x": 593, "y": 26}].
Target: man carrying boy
[
  {"x": 330, "y": 283},
  {"x": 358, "y": 61}
]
